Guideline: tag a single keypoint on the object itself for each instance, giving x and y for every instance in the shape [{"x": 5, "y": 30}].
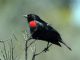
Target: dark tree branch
[
  {"x": 31, "y": 43},
  {"x": 26, "y": 44},
  {"x": 26, "y": 50},
  {"x": 34, "y": 54}
]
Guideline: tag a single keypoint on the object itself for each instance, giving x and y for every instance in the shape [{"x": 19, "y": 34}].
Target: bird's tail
[{"x": 66, "y": 45}]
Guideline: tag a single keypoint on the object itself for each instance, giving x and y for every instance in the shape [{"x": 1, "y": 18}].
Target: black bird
[{"x": 41, "y": 30}]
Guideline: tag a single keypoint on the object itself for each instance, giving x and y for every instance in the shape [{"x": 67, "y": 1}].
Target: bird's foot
[{"x": 46, "y": 49}]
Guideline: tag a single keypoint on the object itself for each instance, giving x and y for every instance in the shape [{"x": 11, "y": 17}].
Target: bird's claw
[{"x": 46, "y": 49}]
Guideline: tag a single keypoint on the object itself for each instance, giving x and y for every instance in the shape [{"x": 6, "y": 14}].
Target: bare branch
[
  {"x": 5, "y": 49},
  {"x": 15, "y": 36},
  {"x": 26, "y": 44},
  {"x": 8, "y": 54},
  {"x": 31, "y": 43},
  {"x": 44, "y": 50},
  {"x": 12, "y": 52},
  {"x": 34, "y": 54},
  {"x": 27, "y": 40},
  {"x": 3, "y": 55}
]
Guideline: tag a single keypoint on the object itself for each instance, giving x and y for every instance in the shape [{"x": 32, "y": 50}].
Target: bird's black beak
[{"x": 25, "y": 16}]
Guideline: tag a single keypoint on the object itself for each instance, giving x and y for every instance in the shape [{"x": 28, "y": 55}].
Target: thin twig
[
  {"x": 45, "y": 49},
  {"x": 12, "y": 50},
  {"x": 5, "y": 49},
  {"x": 34, "y": 54},
  {"x": 3, "y": 55},
  {"x": 31, "y": 43},
  {"x": 15, "y": 36},
  {"x": 26, "y": 49}
]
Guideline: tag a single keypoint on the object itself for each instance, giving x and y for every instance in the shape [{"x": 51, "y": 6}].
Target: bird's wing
[{"x": 51, "y": 28}]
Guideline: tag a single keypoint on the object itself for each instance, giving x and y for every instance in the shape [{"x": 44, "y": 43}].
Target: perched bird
[{"x": 41, "y": 30}]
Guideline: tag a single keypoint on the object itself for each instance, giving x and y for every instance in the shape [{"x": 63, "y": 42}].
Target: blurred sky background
[{"x": 63, "y": 15}]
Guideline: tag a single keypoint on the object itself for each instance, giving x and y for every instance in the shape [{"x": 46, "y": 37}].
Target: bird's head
[
  {"x": 31, "y": 17},
  {"x": 33, "y": 20}
]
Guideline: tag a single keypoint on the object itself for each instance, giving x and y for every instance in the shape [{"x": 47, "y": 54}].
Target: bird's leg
[{"x": 47, "y": 48}]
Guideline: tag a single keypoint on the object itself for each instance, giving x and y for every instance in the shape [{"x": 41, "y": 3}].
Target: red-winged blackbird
[{"x": 41, "y": 30}]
